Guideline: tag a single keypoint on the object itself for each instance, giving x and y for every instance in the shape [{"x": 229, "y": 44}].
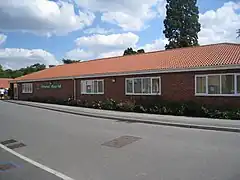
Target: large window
[
  {"x": 143, "y": 86},
  {"x": 217, "y": 84},
  {"x": 92, "y": 86},
  {"x": 27, "y": 88}
]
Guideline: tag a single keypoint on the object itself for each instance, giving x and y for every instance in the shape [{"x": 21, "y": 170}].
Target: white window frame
[
  {"x": 27, "y": 88},
  {"x": 98, "y": 80},
  {"x": 219, "y": 74},
  {"x": 143, "y": 94}
]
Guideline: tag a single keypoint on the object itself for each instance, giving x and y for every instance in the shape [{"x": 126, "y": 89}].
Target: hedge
[{"x": 159, "y": 107}]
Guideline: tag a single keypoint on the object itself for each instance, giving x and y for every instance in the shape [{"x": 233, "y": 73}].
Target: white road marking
[{"x": 45, "y": 168}]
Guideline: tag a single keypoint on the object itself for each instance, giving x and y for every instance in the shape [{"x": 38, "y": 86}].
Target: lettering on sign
[{"x": 51, "y": 86}]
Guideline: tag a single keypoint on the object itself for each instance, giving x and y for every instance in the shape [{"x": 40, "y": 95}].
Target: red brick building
[
  {"x": 4, "y": 83},
  {"x": 206, "y": 74}
]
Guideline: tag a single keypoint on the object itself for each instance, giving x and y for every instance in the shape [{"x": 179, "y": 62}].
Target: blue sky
[{"x": 46, "y": 31}]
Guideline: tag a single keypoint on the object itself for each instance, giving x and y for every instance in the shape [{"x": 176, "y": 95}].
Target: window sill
[
  {"x": 92, "y": 93},
  {"x": 26, "y": 92},
  {"x": 219, "y": 95},
  {"x": 140, "y": 94}
]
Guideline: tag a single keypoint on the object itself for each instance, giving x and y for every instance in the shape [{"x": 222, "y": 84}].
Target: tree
[
  {"x": 130, "y": 51},
  {"x": 9, "y": 73},
  {"x": 50, "y": 66},
  {"x": 33, "y": 68},
  {"x": 181, "y": 23},
  {"x": 1, "y": 68},
  {"x": 140, "y": 51},
  {"x": 69, "y": 61}
]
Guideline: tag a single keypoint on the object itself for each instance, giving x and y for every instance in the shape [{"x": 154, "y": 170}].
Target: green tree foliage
[
  {"x": 69, "y": 61},
  {"x": 9, "y": 73},
  {"x": 1, "y": 68},
  {"x": 130, "y": 51},
  {"x": 181, "y": 23},
  {"x": 140, "y": 51},
  {"x": 50, "y": 66}
]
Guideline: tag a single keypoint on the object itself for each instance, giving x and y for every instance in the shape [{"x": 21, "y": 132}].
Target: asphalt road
[
  {"x": 73, "y": 145},
  {"x": 22, "y": 170}
]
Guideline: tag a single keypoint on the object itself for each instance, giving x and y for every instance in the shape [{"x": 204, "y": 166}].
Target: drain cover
[
  {"x": 121, "y": 141},
  {"x": 7, "y": 166},
  {"x": 9, "y": 141},
  {"x": 14, "y": 146}
]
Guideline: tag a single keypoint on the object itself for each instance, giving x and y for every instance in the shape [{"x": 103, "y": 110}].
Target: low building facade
[
  {"x": 207, "y": 83},
  {"x": 206, "y": 87}
]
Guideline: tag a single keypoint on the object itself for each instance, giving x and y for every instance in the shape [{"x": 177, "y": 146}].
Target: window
[
  {"x": 217, "y": 84},
  {"x": 143, "y": 86},
  {"x": 201, "y": 85},
  {"x": 129, "y": 85},
  {"x": 100, "y": 86},
  {"x": 27, "y": 88},
  {"x": 214, "y": 84},
  {"x": 92, "y": 87},
  {"x": 238, "y": 84},
  {"x": 227, "y": 84},
  {"x": 137, "y": 85},
  {"x": 146, "y": 85},
  {"x": 155, "y": 85}
]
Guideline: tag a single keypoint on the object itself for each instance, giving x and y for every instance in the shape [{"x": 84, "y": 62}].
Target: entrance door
[{"x": 15, "y": 91}]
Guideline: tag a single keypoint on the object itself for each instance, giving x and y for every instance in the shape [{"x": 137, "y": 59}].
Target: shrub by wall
[{"x": 154, "y": 107}]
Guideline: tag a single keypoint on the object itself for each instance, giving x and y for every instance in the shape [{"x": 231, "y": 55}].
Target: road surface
[{"x": 79, "y": 147}]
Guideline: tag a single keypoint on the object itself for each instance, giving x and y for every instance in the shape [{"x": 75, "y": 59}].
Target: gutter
[{"x": 142, "y": 72}]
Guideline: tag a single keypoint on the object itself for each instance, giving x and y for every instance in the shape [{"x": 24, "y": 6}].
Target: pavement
[
  {"x": 177, "y": 121},
  {"x": 91, "y": 148}
]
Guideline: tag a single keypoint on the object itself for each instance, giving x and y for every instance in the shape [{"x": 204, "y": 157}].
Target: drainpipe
[{"x": 74, "y": 89}]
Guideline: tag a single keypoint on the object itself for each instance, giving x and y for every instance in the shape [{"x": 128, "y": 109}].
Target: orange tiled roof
[
  {"x": 182, "y": 58},
  {"x": 4, "y": 82}
]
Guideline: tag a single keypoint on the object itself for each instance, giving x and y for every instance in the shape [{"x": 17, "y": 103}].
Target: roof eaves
[{"x": 152, "y": 71}]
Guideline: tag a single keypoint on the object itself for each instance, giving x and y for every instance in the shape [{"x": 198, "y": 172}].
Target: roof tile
[
  {"x": 4, "y": 82},
  {"x": 191, "y": 57}
]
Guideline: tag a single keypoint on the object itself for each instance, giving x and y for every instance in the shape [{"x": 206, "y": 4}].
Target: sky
[{"x": 46, "y": 31}]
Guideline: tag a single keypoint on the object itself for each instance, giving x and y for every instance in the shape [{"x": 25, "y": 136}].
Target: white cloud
[
  {"x": 98, "y": 30},
  {"x": 98, "y": 46},
  {"x": 78, "y": 54},
  {"x": 125, "y": 21},
  {"x": 103, "y": 42},
  {"x": 14, "y": 58},
  {"x": 3, "y": 38},
  {"x": 158, "y": 44},
  {"x": 42, "y": 17},
  {"x": 129, "y": 15},
  {"x": 110, "y": 54},
  {"x": 161, "y": 8},
  {"x": 102, "y": 46},
  {"x": 220, "y": 25}
]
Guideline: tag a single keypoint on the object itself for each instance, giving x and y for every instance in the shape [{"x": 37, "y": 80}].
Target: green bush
[
  {"x": 127, "y": 106},
  {"x": 97, "y": 104},
  {"x": 154, "y": 107},
  {"x": 140, "y": 108},
  {"x": 109, "y": 104}
]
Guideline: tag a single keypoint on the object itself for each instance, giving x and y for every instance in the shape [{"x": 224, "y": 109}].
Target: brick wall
[
  {"x": 64, "y": 92},
  {"x": 181, "y": 86},
  {"x": 174, "y": 87}
]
